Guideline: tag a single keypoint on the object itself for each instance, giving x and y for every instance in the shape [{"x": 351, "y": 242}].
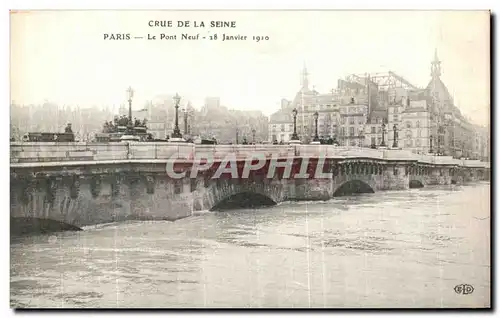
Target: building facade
[{"x": 383, "y": 109}]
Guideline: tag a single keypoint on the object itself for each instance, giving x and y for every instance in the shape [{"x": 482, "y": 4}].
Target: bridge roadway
[{"x": 78, "y": 184}]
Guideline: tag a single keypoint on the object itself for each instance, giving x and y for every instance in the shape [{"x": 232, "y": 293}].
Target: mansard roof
[
  {"x": 378, "y": 113},
  {"x": 437, "y": 85},
  {"x": 281, "y": 116}
]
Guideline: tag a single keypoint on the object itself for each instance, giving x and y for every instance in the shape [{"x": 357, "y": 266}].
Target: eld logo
[{"x": 464, "y": 289}]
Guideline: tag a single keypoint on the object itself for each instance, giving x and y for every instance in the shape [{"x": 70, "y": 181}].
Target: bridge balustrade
[
  {"x": 160, "y": 150},
  {"x": 36, "y": 153}
]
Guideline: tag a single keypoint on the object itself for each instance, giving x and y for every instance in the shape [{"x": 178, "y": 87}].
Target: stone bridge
[{"x": 74, "y": 185}]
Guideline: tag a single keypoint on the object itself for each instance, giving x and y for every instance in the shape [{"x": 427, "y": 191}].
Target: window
[
  {"x": 282, "y": 127},
  {"x": 418, "y": 142},
  {"x": 177, "y": 186},
  {"x": 351, "y": 120},
  {"x": 408, "y": 134},
  {"x": 418, "y": 123},
  {"x": 353, "y": 143},
  {"x": 342, "y": 120},
  {"x": 373, "y": 140},
  {"x": 419, "y": 133},
  {"x": 342, "y": 131},
  {"x": 408, "y": 124},
  {"x": 351, "y": 131},
  {"x": 373, "y": 130}
]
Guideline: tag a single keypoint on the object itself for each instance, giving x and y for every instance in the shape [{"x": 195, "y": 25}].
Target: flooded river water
[{"x": 388, "y": 249}]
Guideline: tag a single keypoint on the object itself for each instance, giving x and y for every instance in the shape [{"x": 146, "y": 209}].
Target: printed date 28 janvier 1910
[{"x": 187, "y": 37}]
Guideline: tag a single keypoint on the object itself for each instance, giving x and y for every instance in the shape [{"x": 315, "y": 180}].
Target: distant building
[
  {"x": 425, "y": 119},
  {"x": 281, "y": 126}
]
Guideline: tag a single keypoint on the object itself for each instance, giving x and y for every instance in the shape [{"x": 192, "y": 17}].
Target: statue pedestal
[
  {"x": 176, "y": 140},
  {"x": 382, "y": 147},
  {"x": 294, "y": 142},
  {"x": 129, "y": 138},
  {"x": 315, "y": 143}
]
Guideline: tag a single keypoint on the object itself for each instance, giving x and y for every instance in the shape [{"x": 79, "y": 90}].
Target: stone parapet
[{"x": 63, "y": 153}]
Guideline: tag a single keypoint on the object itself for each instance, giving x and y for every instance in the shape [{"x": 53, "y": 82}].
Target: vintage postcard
[{"x": 250, "y": 159}]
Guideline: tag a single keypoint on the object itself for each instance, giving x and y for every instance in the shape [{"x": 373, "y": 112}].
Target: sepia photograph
[{"x": 266, "y": 159}]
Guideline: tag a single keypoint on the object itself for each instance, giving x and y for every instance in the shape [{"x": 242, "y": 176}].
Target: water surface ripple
[{"x": 389, "y": 249}]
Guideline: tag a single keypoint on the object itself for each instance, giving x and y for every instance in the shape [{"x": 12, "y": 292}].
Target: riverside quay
[{"x": 71, "y": 185}]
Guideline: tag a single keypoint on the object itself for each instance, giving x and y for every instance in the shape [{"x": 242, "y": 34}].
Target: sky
[{"x": 62, "y": 56}]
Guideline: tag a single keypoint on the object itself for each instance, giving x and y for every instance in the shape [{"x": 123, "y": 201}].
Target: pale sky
[{"x": 61, "y": 56}]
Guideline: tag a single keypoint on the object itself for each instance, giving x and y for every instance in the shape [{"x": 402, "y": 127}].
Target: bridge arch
[
  {"x": 243, "y": 200},
  {"x": 352, "y": 187},
  {"x": 233, "y": 194},
  {"x": 415, "y": 184},
  {"x": 30, "y": 225}
]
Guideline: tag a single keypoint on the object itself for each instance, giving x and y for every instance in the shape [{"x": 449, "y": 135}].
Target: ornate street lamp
[
  {"x": 395, "y": 143},
  {"x": 253, "y": 135},
  {"x": 382, "y": 144},
  {"x": 440, "y": 133},
  {"x": 130, "y": 126},
  {"x": 361, "y": 136},
  {"x": 295, "y": 136},
  {"x": 185, "y": 121},
  {"x": 316, "y": 137},
  {"x": 177, "y": 131}
]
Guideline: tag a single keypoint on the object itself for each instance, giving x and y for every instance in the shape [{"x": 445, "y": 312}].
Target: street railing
[{"x": 26, "y": 152}]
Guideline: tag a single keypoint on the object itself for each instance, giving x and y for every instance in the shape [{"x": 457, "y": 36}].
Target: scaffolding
[{"x": 383, "y": 81}]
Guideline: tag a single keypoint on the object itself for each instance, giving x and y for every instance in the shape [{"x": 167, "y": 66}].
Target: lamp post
[
  {"x": 395, "y": 142},
  {"x": 237, "y": 131},
  {"x": 253, "y": 135},
  {"x": 177, "y": 132},
  {"x": 430, "y": 144},
  {"x": 130, "y": 124},
  {"x": 316, "y": 137},
  {"x": 440, "y": 132},
  {"x": 294, "y": 135},
  {"x": 382, "y": 144},
  {"x": 185, "y": 121},
  {"x": 361, "y": 136}
]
